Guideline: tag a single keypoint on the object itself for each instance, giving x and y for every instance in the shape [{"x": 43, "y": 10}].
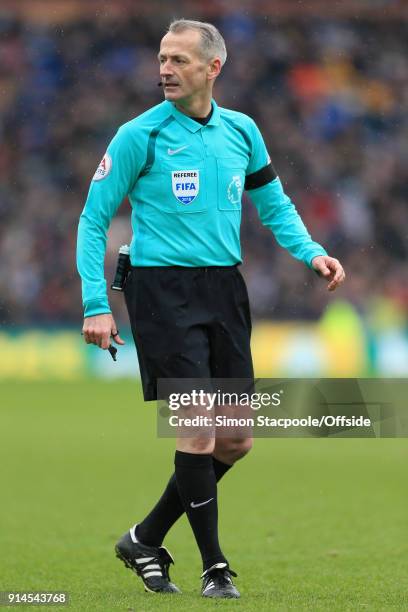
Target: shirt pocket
[
  {"x": 182, "y": 187},
  {"x": 230, "y": 180}
]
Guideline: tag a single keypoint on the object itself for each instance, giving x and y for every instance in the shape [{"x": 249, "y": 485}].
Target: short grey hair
[{"x": 212, "y": 43}]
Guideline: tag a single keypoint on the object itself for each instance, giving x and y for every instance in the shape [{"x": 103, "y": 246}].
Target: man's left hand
[{"x": 331, "y": 269}]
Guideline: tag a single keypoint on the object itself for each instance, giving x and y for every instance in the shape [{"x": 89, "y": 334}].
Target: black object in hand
[{"x": 113, "y": 350}]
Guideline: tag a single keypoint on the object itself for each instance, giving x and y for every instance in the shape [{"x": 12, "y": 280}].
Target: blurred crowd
[{"x": 328, "y": 95}]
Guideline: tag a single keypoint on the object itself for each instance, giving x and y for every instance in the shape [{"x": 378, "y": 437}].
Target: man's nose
[{"x": 166, "y": 69}]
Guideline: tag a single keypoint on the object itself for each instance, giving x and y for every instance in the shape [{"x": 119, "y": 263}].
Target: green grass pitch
[{"x": 308, "y": 524}]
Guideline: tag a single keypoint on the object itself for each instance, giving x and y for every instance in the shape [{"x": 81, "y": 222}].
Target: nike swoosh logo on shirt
[
  {"x": 174, "y": 151},
  {"x": 193, "y": 505}
]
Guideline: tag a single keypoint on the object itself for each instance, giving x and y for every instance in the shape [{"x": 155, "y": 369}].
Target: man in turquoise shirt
[{"x": 184, "y": 165}]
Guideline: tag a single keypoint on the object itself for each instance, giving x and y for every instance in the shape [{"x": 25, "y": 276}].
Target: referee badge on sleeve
[
  {"x": 186, "y": 185},
  {"x": 103, "y": 169}
]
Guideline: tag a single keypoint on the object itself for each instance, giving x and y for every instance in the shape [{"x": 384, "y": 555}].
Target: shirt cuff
[
  {"x": 96, "y": 307},
  {"x": 320, "y": 251}
]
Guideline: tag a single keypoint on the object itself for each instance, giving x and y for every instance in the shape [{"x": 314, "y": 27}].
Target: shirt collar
[{"x": 190, "y": 124}]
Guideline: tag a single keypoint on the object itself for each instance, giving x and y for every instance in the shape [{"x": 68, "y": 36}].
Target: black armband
[{"x": 260, "y": 178}]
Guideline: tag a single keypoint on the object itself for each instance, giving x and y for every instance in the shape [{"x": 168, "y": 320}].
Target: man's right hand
[{"x": 100, "y": 329}]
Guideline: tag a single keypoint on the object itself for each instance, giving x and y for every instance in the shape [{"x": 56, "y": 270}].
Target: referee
[{"x": 184, "y": 165}]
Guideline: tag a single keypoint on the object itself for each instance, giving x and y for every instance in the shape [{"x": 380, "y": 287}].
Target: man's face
[{"x": 183, "y": 71}]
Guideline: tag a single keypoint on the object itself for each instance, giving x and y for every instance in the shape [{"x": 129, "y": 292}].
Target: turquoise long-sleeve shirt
[{"x": 184, "y": 181}]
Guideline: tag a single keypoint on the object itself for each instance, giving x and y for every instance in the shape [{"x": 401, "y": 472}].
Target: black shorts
[{"x": 189, "y": 323}]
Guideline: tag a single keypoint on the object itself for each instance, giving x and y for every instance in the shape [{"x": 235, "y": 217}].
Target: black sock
[
  {"x": 153, "y": 529},
  {"x": 220, "y": 468},
  {"x": 197, "y": 488}
]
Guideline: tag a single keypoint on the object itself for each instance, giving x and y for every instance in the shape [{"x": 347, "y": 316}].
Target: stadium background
[
  {"x": 80, "y": 459},
  {"x": 328, "y": 88}
]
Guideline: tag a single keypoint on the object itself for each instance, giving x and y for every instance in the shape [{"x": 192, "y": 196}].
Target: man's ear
[{"x": 214, "y": 68}]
